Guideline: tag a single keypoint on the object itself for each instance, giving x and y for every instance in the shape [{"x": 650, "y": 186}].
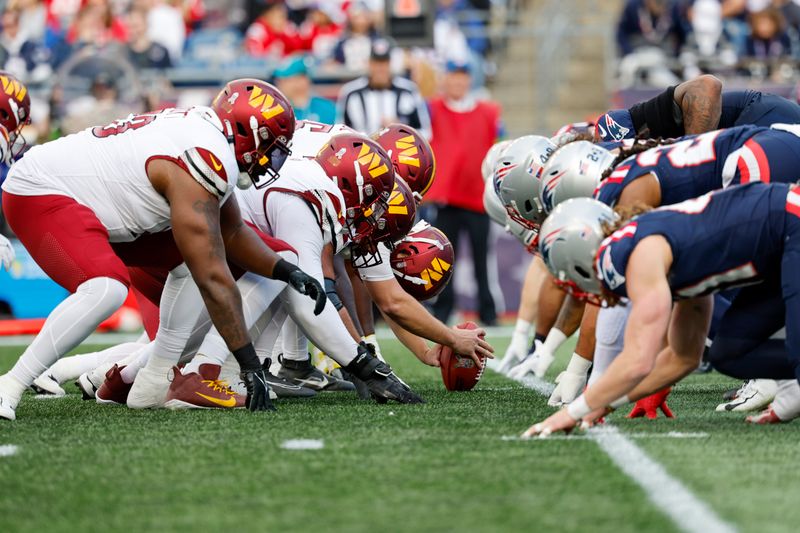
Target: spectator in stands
[
  {"x": 353, "y": 49},
  {"x": 32, "y": 18},
  {"x": 464, "y": 129},
  {"x": 143, "y": 52},
  {"x": 165, "y": 26},
  {"x": 106, "y": 27},
  {"x": 271, "y": 34},
  {"x": 322, "y": 28},
  {"x": 768, "y": 39},
  {"x": 379, "y": 98},
  {"x": 292, "y": 78},
  {"x": 21, "y": 56},
  {"x": 650, "y": 34}
]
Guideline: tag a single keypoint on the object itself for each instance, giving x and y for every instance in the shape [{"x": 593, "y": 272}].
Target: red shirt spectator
[{"x": 271, "y": 34}]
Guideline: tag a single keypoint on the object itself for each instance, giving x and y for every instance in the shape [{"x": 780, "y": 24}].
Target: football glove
[
  {"x": 255, "y": 381},
  {"x": 568, "y": 386},
  {"x": 7, "y": 254},
  {"x": 649, "y": 406}
]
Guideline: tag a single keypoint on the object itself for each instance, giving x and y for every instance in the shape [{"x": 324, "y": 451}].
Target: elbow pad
[{"x": 333, "y": 296}]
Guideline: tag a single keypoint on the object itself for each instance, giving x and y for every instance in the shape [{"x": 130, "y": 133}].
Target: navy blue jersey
[
  {"x": 698, "y": 164},
  {"x": 756, "y": 108},
  {"x": 724, "y": 239}
]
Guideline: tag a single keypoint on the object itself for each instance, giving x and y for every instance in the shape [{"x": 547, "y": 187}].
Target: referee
[{"x": 378, "y": 99}]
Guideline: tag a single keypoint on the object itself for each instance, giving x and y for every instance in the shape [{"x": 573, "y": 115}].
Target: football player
[
  {"x": 77, "y": 203},
  {"x": 667, "y": 263}
]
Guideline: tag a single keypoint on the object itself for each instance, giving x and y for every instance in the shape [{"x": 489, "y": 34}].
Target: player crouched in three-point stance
[
  {"x": 81, "y": 202},
  {"x": 681, "y": 254}
]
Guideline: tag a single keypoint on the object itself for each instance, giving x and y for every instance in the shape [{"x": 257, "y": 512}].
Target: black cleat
[
  {"x": 379, "y": 378},
  {"x": 306, "y": 375}
]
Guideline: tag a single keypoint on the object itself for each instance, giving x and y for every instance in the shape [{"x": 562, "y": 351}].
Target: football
[{"x": 460, "y": 373}]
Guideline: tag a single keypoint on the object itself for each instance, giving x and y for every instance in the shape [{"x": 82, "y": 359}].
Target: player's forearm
[
  {"x": 529, "y": 298},
  {"x": 570, "y": 316},
  {"x": 245, "y": 248},
  {"x": 701, "y": 104},
  {"x": 347, "y": 320},
  {"x": 414, "y": 343},
  {"x": 669, "y": 369},
  {"x": 224, "y": 304},
  {"x": 363, "y": 303},
  {"x": 586, "y": 338},
  {"x": 411, "y": 315}
]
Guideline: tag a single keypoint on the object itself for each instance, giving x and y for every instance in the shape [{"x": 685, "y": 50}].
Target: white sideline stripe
[
  {"x": 669, "y": 495},
  {"x": 7, "y": 450},
  {"x": 303, "y": 444}
]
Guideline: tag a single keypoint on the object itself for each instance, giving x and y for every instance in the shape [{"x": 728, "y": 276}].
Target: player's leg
[
  {"x": 448, "y": 222},
  {"x": 71, "y": 245},
  {"x": 478, "y": 230},
  {"x": 609, "y": 338}
]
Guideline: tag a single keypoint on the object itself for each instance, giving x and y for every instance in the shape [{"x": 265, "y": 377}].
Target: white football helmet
[
  {"x": 570, "y": 239},
  {"x": 516, "y": 178},
  {"x": 574, "y": 171},
  {"x": 490, "y": 160}
]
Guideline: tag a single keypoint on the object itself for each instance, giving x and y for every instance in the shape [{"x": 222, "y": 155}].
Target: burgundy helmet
[
  {"x": 395, "y": 224},
  {"x": 259, "y": 123},
  {"x": 363, "y": 173},
  {"x": 411, "y": 155},
  {"x": 422, "y": 262},
  {"x": 15, "y": 109}
]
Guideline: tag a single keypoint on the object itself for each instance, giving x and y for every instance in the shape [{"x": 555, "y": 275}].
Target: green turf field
[{"x": 437, "y": 467}]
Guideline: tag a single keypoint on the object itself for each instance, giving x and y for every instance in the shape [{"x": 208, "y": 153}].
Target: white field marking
[
  {"x": 49, "y": 396},
  {"x": 530, "y": 381},
  {"x": 303, "y": 444},
  {"x": 669, "y": 495},
  {"x": 7, "y": 450}
]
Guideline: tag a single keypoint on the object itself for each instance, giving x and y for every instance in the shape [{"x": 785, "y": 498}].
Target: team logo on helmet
[
  {"x": 266, "y": 102},
  {"x": 13, "y": 88},
  {"x": 549, "y": 189},
  {"x": 397, "y": 202},
  {"x": 408, "y": 153},
  {"x": 372, "y": 161},
  {"x": 435, "y": 272},
  {"x": 613, "y": 129},
  {"x": 546, "y": 244}
]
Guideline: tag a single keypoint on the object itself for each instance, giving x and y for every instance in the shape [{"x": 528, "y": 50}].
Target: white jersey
[
  {"x": 104, "y": 168},
  {"x": 310, "y": 137},
  {"x": 304, "y": 178}
]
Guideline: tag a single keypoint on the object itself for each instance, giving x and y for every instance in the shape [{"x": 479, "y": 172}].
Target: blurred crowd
[{"x": 661, "y": 42}]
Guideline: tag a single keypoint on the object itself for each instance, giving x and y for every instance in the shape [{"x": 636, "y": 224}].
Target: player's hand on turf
[
  {"x": 516, "y": 352},
  {"x": 257, "y": 390},
  {"x": 305, "y": 284},
  {"x": 7, "y": 254},
  {"x": 537, "y": 362},
  {"x": 560, "y": 421},
  {"x": 469, "y": 342},
  {"x": 568, "y": 386},
  {"x": 649, "y": 406}
]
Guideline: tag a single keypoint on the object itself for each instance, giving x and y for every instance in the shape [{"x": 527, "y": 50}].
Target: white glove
[
  {"x": 528, "y": 364},
  {"x": 7, "y": 254},
  {"x": 568, "y": 387},
  {"x": 518, "y": 348}
]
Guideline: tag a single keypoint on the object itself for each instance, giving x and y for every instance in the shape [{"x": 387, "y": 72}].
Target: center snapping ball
[{"x": 460, "y": 373}]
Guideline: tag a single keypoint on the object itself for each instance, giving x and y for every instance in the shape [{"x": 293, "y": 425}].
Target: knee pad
[{"x": 109, "y": 293}]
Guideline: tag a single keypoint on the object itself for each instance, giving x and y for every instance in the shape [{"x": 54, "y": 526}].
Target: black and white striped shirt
[{"x": 367, "y": 110}]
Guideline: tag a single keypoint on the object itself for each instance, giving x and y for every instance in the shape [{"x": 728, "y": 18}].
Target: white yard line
[
  {"x": 303, "y": 444},
  {"x": 688, "y": 512},
  {"x": 7, "y": 450}
]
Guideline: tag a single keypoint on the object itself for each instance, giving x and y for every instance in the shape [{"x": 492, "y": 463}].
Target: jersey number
[
  {"x": 133, "y": 122},
  {"x": 688, "y": 153},
  {"x": 735, "y": 277}
]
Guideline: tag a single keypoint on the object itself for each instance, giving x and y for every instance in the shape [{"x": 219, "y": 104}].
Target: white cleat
[
  {"x": 47, "y": 384},
  {"x": 149, "y": 389},
  {"x": 87, "y": 386},
  {"x": 7, "y": 409},
  {"x": 754, "y": 395}
]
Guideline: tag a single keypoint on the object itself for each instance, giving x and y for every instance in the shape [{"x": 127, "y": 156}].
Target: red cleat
[
  {"x": 113, "y": 390},
  {"x": 767, "y": 416},
  {"x": 203, "y": 390}
]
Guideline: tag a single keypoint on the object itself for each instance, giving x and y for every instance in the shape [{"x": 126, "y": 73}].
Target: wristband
[
  {"x": 333, "y": 296},
  {"x": 619, "y": 402},
  {"x": 282, "y": 269},
  {"x": 247, "y": 358},
  {"x": 578, "y": 408}
]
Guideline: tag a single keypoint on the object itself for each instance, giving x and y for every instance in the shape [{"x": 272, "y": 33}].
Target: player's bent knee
[{"x": 109, "y": 293}]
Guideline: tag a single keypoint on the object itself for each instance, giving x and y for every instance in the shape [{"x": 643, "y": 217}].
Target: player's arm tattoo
[
  {"x": 700, "y": 113},
  {"x": 210, "y": 211}
]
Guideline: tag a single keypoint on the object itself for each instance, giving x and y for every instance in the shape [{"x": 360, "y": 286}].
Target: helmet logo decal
[
  {"x": 13, "y": 88},
  {"x": 549, "y": 189},
  {"x": 435, "y": 272},
  {"x": 372, "y": 161},
  {"x": 613, "y": 129},
  {"x": 266, "y": 102},
  {"x": 397, "y": 202},
  {"x": 408, "y": 151}
]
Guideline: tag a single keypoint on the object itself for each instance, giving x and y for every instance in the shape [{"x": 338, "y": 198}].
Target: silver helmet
[
  {"x": 516, "y": 178},
  {"x": 497, "y": 212},
  {"x": 570, "y": 238},
  {"x": 490, "y": 160},
  {"x": 574, "y": 171}
]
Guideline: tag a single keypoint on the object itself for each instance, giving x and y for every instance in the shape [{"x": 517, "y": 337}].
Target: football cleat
[
  {"x": 753, "y": 395},
  {"x": 767, "y": 416},
  {"x": 203, "y": 390},
  {"x": 304, "y": 374},
  {"x": 47, "y": 384},
  {"x": 379, "y": 378},
  {"x": 149, "y": 389},
  {"x": 88, "y": 386},
  {"x": 113, "y": 390}
]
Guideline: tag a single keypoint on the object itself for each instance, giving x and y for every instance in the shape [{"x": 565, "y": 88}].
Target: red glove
[{"x": 649, "y": 406}]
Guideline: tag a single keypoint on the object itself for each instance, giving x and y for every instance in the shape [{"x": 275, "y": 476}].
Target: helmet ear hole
[
  {"x": 582, "y": 272},
  {"x": 528, "y": 206},
  {"x": 240, "y": 129}
]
